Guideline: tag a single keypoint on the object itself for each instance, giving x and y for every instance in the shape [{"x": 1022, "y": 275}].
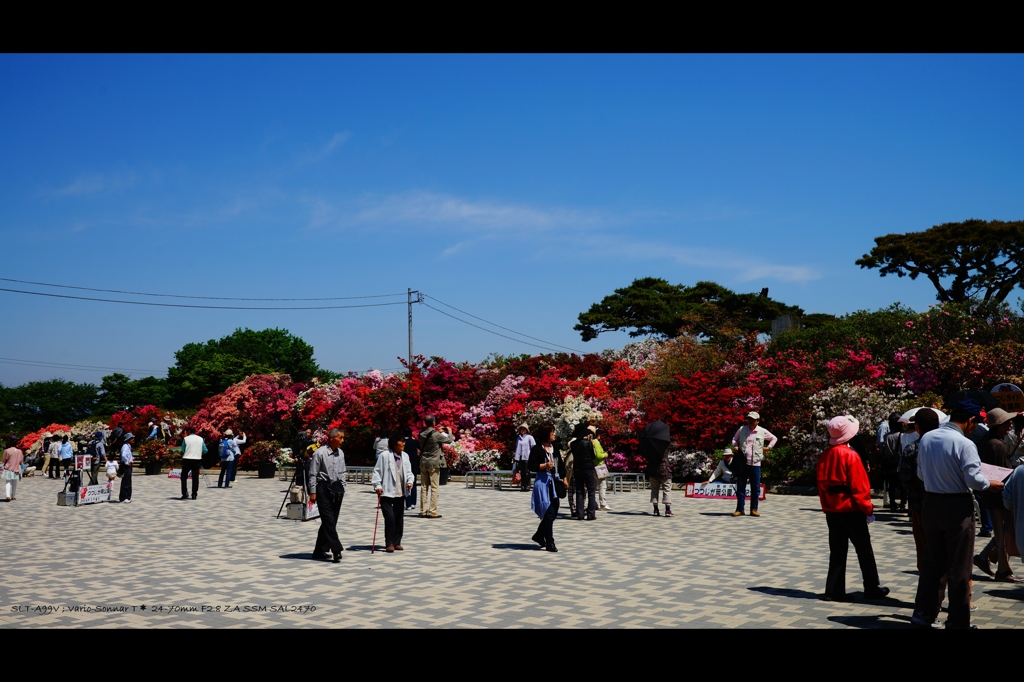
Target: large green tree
[
  {"x": 205, "y": 369},
  {"x": 975, "y": 258},
  {"x": 38, "y": 403},
  {"x": 652, "y": 306},
  {"x": 121, "y": 392}
]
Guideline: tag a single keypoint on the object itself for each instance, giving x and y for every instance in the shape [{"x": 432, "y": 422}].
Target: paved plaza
[{"x": 224, "y": 560}]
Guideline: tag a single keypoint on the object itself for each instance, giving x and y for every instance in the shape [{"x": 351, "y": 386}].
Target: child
[{"x": 111, "y": 468}]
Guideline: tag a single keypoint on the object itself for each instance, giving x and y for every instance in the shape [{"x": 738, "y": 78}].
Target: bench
[
  {"x": 358, "y": 474},
  {"x": 492, "y": 479},
  {"x": 623, "y": 481}
]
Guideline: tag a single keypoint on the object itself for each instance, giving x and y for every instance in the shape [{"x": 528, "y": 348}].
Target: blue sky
[{"x": 521, "y": 189}]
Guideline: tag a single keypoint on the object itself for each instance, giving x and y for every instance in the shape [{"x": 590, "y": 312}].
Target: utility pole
[{"x": 410, "y": 301}]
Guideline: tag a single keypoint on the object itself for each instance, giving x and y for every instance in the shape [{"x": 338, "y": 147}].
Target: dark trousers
[
  {"x": 53, "y": 469},
  {"x": 227, "y": 471},
  {"x": 892, "y": 481},
  {"x": 751, "y": 475},
  {"x": 844, "y": 528},
  {"x": 410, "y": 499},
  {"x": 190, "y": 466},
  {"x": 983, "y": 515},
  {"x": 524, "y": 472},
  {"x": 126, "y": 484},
  {"x": 94, "y": 472},
  {"x": 329, "y": 506},
  {"x": 393, "y": 509},
  {"x": 546, "y": 527},
  {"x": 587, "y": 480},
  {"x": 949, "y": 551},
  {"x": 67, "y": 464}
]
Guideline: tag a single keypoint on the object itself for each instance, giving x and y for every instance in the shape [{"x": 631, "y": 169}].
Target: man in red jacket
[{"x": 845, "y": 496}]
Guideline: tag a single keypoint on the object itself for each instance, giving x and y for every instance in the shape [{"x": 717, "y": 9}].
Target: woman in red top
[{"x": 845, "y": 496}]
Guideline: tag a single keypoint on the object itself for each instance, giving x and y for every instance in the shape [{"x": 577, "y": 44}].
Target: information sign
[
  {"x": 174, "y": 473},
  {"x": 1010, "y": 397},
  {"x": 91, "y": 494}
]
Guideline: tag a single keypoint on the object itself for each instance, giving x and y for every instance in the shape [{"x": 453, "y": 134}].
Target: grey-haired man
[{"x": 326, "y": 488}]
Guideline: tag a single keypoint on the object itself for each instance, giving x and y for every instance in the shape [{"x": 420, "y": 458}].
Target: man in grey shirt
[
  {"x": 948, "y": 463},
  {"x": 326, "y": 488},
  {"x": 431, "y": 462}
]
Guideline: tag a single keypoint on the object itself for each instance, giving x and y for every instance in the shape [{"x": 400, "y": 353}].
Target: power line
[
  {"x": 208, "y": 298},
  {"x": 207, "y": 307},
  {"x": 505, "y": 328},
  {"x": 64, "y": 365},
  {"x": 488, "y": 330}
]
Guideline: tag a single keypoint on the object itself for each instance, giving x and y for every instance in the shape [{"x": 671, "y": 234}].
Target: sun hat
[
  {"x": 592, "y": 429},
  {"x": 524, "y": 426},
  {"x": 753, "y": 415},
  {"x": 727, "y": 452},
  {"x": 128, "y": 436},
  {"x": 998, "y": 415},
  {"x": 842, "y": 429},
  {"x": 229, "y": 432}
]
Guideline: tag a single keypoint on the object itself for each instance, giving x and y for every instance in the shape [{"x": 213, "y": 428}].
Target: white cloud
[
  {"x": 427, "y": 208},
  {"x": 95, "y": 183},
  {"x": 338, "y": 139}
]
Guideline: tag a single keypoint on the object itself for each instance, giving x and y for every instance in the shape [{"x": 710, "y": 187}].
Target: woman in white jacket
[{"x": 392, "y": 479}]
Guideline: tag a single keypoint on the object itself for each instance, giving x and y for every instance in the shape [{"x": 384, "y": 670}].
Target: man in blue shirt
[
  {"x": 948, "y": 463},
  {"x": 67, "y": 454}
]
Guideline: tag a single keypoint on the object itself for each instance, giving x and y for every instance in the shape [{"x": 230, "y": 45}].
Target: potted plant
[
  {"x": 154, "y": 455},
  {"x": 262, "y": 456}
]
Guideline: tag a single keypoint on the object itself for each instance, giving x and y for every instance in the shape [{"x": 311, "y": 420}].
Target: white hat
[
  {"x": 753, "y": 415},
  {"x": 229, "y": 432}
]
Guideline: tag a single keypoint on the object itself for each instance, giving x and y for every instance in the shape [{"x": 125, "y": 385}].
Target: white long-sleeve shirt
[{"x": 721, "y": 471}]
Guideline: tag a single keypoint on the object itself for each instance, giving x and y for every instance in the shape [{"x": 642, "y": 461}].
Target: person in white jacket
[
  {"x": 724, "y": 469},
  {"x": 392, "y": 479}
]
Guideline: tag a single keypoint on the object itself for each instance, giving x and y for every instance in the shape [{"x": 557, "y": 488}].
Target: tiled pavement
[{"x": 476, "y": 567}]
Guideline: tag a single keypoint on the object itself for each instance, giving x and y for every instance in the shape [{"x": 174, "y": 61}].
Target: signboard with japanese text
[
  {"x": 91, "y": 494},
  {"x": 1010, "y": 397},
  {"x": 719, "y": 491},
  {"x": 174, "y": 473},
  {"x": 83, "y": 461}
]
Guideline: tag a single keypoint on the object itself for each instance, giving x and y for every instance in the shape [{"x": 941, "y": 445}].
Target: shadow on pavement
[
  {"x": 1017, "y": 594},
  {"x": 885, "y": 622},
  {"x": 364, "y": 548},
  {"x": 786, "y": 592},
  {"x": 517, "y": 546},
  {"x": 716, "y": 514},
  {"x": 307, "y": 556},
  {"x": 629, "y": 513}
]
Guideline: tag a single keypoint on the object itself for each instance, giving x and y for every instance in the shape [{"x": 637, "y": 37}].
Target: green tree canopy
[
  {"x": 38, "y": 403},
  {"x": 975, "y": 258},
  {"x": 880, "y": 331},
  {"x": 121, "y": 392},
  {"x": 202, "y": 370},
  {"x": 652, "y": 306}
]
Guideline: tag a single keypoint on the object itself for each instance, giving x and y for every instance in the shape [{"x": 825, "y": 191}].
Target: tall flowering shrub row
[
  {"x": 259, "y": 405},
  {"x": 32, "y": 442}
]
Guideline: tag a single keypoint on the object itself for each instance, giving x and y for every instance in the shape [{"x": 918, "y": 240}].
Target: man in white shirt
[
  {"x": 192, "y": 450},
  {"x": 751, "y": 440}
]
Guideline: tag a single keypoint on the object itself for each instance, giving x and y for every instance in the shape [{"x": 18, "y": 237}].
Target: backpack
[
  {"x": 908, "y": 467},
  {"x": 225, "y": 449},
  {"x": 90, "y": 449}
]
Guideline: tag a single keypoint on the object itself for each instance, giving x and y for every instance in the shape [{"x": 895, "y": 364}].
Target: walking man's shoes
[
  {"x": 433, "y": 515},
  {"x": 1007, "y": 578},
  {"x": 390, "y": 549},
  {"x": 538, "y": 540},
  {"x": 399, "y": 548},
  {"x": 984, "y": 564},
  {"x": 737, "y": 513},
  {"x": 551, "y": 547},
  {"x": 877, "y": 593},
  {"x": 193, "y": 496},
  {"x": 319, "y": 556},
  {"x": 336, "y": 559},
  {"x": 835, "y": 597},
  {"x": 184, "y": 497},
  {"x": 754, "y": 512}
]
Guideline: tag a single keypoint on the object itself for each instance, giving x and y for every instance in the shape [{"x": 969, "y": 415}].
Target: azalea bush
[
  {"x": 32, "y": 442},
  {"x": 260, "y": 452},
  {"x": 260, "y": 406},
  {"x": 157, "y": 452}
]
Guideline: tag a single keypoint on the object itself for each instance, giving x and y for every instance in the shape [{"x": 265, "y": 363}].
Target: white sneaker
[{"x": 127, "y": 502}]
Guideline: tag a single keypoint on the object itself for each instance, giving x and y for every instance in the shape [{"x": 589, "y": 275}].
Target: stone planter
[
  {"x": 153, "y": 469},
  {"x": 266, "y": 469}
]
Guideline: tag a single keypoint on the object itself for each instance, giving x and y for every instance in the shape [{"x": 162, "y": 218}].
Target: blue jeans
[
  {"x": 410, "y": 499},
  {"x": 751, "y": 475},
  {"x": 227, "y": 469}
]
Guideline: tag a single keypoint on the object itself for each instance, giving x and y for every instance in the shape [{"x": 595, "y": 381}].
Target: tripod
[{"x": 288, "y": 492}]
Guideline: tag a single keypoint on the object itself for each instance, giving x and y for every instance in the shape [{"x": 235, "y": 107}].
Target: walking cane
[{"x": 373, "y": 547}]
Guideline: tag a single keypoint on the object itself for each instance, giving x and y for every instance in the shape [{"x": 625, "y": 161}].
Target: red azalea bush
[
  {"x": 136, "y": 421},
  {"x": 157, "y": 451},
  {"x": 260, "y": 452},
  {"x": 258, "y": 406},
  {"x": 26, "y": 443}
]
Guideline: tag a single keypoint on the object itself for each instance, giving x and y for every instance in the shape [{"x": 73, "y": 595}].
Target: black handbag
[{"x": 560, "y": 488}]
